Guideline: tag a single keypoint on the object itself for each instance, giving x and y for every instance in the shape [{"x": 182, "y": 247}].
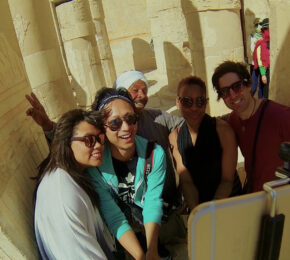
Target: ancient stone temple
[{"x": 64, "y": 51}]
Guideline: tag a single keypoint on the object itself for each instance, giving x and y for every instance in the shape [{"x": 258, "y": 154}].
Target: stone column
[
  {"x": 42, "y": 58},
  {"x": 171, "y": 46},
  {"x": 279, "y": 51},
  {"x": 103, "y": 42},
  {"x": 129, "y": 34},
  {"x": 215, "y": 35},
  {"x": 22, "y": 143},
  {"x": 82, "y": 54}
]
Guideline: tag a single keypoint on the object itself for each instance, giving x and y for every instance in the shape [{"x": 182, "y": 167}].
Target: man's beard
[{"x": 140, "y": 103}]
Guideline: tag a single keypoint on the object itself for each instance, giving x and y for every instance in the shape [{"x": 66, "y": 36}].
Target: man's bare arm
[{"x": 130, "y": 242}]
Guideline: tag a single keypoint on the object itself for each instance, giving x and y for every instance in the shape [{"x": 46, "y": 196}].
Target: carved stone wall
[
  {"x": 279, "y": 51},
  {"x": 97, "y": 12},
  {"x": 130, "y": 35},
  {"x": 22, "y": 147},
  {"x": 171, "y": 46},
  {"x": 78, "y": 34},
  {"x": 41, "y": 54}
]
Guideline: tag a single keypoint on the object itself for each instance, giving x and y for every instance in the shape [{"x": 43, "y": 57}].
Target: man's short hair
[
  {"x": 192, "y": 80},
  {"x": 230, "y": 66}
]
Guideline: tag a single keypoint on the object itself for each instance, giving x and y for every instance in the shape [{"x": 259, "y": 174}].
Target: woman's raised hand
[{"x": 37, "y": 112}]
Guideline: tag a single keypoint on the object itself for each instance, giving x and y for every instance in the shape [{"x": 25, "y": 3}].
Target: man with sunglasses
[
  {"x": 153, "y": 124},
  {"x": 232, "y": 82},
  {"x": 156, "y": 125},
  {"x": 204, "y": 148}
]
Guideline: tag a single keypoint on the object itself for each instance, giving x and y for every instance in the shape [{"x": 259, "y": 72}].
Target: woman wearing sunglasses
[
  {"x": 130, "y": 200},
  {"x": 66, "y": 220},
  {"x": 204, "y": 148}
]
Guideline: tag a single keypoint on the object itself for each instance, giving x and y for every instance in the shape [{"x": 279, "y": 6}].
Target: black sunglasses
[
  {"x": 116, "y": 124},
  {"x": 236, "y": 87},
  {"x": 90, "y": 140},
  {"x": 187, "y": 102}
]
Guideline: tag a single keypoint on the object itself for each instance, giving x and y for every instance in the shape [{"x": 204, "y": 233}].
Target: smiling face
[
  {"x": 121, "y": 140},
  {"x": 138, "y": 92},
  {"x": 84, "y": 155},
  {"x": 194, "y": 113},
  {"x": 236, "y": 101}
]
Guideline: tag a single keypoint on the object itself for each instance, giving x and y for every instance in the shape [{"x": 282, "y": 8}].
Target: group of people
[
  {"x": 117, "y": 163},
  {"x": 260, "y": 48}
]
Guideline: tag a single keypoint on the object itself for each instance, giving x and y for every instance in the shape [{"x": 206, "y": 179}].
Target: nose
[
  {"x": 141, "y": 93},
  {"x": 97, "y": 145},
  {"x": 193, "y": 107},
  {"x": 125, "y": 126},
  {"x": 232, "y": 94}
]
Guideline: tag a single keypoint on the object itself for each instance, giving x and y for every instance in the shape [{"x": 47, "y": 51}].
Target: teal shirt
[{"x": 105, "y": 180}]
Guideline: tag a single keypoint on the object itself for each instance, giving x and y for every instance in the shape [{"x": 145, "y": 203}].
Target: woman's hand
[
  {"x": 151, "y": 255},
  {"x": 37, "y": 112}
]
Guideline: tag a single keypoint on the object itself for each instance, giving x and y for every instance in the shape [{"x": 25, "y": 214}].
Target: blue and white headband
[{"x": 109, "y": 99}]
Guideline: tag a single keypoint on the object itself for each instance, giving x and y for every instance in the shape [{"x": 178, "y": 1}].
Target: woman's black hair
[
  {"x": 190, "y": 81},
  {"x": 61, "y": 154}
]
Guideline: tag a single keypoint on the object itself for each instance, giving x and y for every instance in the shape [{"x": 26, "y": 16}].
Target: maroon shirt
[{"x": 274, "y": 129}]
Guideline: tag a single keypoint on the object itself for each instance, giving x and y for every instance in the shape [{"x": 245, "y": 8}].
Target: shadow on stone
[{"x": 143, "y": 55}]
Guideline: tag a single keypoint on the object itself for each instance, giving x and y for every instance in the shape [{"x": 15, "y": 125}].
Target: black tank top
[{"x": 203, "y": 160}]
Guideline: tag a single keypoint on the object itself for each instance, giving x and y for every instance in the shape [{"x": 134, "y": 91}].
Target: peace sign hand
[{"x": 37, "y": 112}]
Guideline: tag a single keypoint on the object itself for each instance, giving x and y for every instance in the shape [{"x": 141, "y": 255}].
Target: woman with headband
[
  {"x": 204, "y": 148},
  {"x": 130, "y": 200}
]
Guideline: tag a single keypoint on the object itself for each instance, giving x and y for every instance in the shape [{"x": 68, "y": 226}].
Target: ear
[
  {"x": 177, "y": 103},
  {"x": 206, "y": 101}
]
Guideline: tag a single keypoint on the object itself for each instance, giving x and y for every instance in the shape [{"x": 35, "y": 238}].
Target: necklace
[{"x": 244, "y": 125}]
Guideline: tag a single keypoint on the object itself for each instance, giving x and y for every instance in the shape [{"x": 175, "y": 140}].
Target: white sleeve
[
  {"x": 65, "y": 221},
  {"x": 253, "y": 43}
]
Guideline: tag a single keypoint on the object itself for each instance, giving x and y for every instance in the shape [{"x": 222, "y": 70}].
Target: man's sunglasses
[
  {"x": 90, "y": 140},
  {"x": 116, "y": 124},
  {"x": 236, "y": 87},
  {"x": 187, "y": 102}
]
